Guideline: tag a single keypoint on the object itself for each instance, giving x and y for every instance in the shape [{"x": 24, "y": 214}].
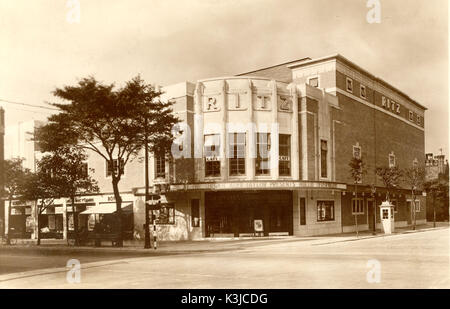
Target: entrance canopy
[{"x": 107, "y": 209}]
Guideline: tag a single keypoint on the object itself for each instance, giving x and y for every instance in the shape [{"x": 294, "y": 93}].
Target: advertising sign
[{"x": 258, "y": 225}]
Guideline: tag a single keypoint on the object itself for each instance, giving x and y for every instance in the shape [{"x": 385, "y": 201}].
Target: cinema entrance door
[{"x": 233, "y": 213}]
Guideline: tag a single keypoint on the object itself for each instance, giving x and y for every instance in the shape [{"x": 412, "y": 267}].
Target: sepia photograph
[{"x": 224, "y": 149}]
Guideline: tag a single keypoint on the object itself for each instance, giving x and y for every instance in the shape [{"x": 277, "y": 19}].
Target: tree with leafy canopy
[
  {"x": 414, "y": 177},
  {"x": 14, "y": 176},
  {"x": 67, "y": 164},
  {"x": 390, "y": 176},
  {"x": 111, "y": 123},
  {"x": 42, "y": 188},
  {"x": 357, "y": 170}
]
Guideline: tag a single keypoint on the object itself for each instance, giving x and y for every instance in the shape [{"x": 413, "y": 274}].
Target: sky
[{"x": 170, "y": 41}]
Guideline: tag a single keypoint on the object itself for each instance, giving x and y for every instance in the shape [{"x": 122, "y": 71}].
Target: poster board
[{"x": 258, "y": 226}]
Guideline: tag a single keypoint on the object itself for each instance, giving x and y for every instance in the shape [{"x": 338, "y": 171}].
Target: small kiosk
[{"x": 387, "y": 217}]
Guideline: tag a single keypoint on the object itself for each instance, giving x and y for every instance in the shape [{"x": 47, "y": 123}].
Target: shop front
[
  {"x": 102, "y": 220},
  {"x": 21, "y": 221},
  {"x": 51, "y": 222},
  {"x": 248, "y": 213}
]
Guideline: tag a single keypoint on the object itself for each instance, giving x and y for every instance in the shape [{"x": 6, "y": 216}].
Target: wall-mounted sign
[
  {"x": 284, "y": 158},
  {"x": 260, "y": 185},
  {"x": 212, "y": 158},
  {"x": 390, "y": 105}
]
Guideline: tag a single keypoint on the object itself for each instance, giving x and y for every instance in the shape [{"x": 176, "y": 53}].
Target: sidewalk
[
  {"x": 344, "y": 237},
  {"x": 53, "y": 246}
]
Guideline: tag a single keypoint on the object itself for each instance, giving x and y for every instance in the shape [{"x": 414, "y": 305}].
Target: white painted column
[
  {"x": 304, "y": 135},
  {"x": 295, "y": 156},
  {"x": 274, "y": 134},
  {"x": 199, "y": 166},
  {"x": 64, "y": 209},
  {"x": 251, "y": 142},
  {"x": 223, "y": 133},
  {"x": 6, "y": 225}
]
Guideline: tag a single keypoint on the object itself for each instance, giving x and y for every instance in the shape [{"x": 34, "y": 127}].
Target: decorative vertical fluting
[
  {"x": 295, "y": 156},
  {"x": 223, "y": 132},
  {"x": 251, "y": 143},
  {"x": 199, "y": 165},
  {"x": 304, "y": 137},
  {"x": 274, "y": 135}
]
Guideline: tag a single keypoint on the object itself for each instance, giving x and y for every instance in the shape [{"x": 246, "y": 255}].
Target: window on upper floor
[
  {"x": 349, "y": 84},
  {"x": 84, "y": 169},
  {"x": 323, "y": 159},
  {"x": 113, "y": 167},
  {"x": 236, "y": 153},
  {"x": 411, "y": 116},
  {"x": 419, "y": 120},
  {"x": 391, "y": 160},
  {"x": 284, "y": 155},
  {"x": 362, "y": 92},
  {"x": 212, "y": 153},
  {"x": 262, "y": 162},
  {"x": 160, "y": 166},
  {"x": 313, "y": 81},
  {"x": 357, "y": 151}
]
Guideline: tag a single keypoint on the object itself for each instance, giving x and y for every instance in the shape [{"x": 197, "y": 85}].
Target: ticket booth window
[{"x": 385, "y": 214}]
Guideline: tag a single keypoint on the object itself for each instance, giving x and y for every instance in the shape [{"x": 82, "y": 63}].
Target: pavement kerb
[
  {"x": 381, "y": 235},
  {"x": 46, "y": 271}
]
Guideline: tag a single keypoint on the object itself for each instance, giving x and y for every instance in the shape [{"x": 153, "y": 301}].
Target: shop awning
[{"x": 108, "y": 208}]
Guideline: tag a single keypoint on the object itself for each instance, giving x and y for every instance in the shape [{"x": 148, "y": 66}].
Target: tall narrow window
[
  {"x": 357, "y": 206},
  {"x": 160, "y": 166},
  {"x": 302, "y": 211},
  {"x": 195, "y": 212},
  {"x": 236, "y": 153},
  {"x": 323, "y": 159},
  {"x": 263, "y": 150},
  {"x": 84, "y": 169},
  {"x": 113, "y": 167},
  {"x": 357, "y": 151},
  {"x": 284, "y": 161},
  {"x": 362, "y": 92},
  {"x": 391, "y": 160},
  {"x": 212, "y": 152},
  {"x": 349, "y": 84}
]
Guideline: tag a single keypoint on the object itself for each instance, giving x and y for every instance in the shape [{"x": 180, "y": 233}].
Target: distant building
[
  {"x": 435, "y": 165},
  {"x": 19, "y": 142}
]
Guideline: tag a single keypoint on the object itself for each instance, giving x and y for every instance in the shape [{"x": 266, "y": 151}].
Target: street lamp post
[
  {"x": 373, "y": 191},
  {"x": 147, "y": 219}
]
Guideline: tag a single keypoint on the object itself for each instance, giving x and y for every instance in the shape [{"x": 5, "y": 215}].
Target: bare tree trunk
[
  {"x": 414, "y": 210},
  {"x": 75, "y": 221},
  {"x": 356, "y": 215},
  {"x": 38, "y": 228},
  {"x": 434, "y": 211},
  {"x": 115, "y": 183},
  {"x": 8, "y": 234}
]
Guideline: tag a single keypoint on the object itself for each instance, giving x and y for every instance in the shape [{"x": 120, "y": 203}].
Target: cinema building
[{"x": 267, "y": 152}]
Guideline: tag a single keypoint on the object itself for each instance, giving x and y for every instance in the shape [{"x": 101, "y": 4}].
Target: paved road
[{"x": 416, "y": 260}]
